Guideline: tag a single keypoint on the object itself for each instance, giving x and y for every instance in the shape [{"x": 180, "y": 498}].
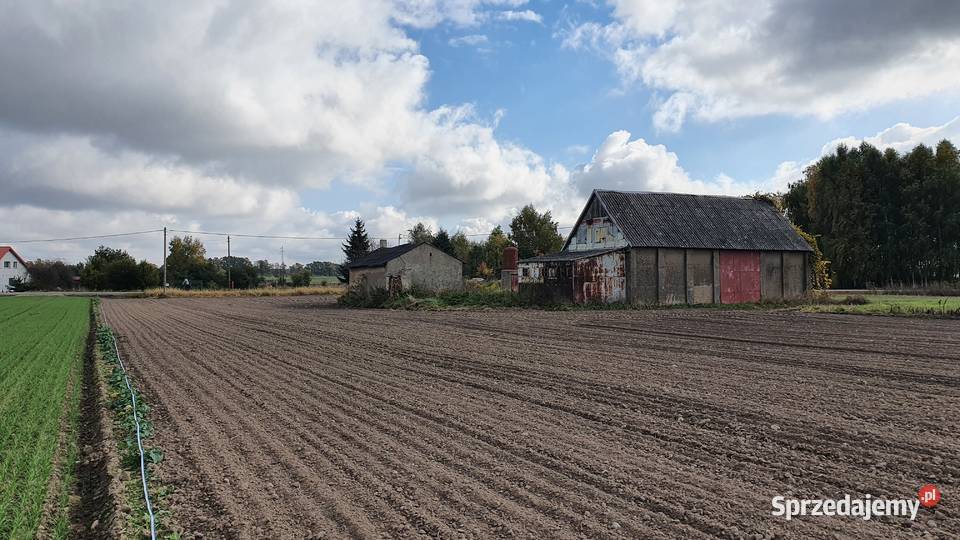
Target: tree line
[
  {"x": 532, "y": 232},
  {"x": 883, "y": 218},
  {"x": 187, "y": 266}
]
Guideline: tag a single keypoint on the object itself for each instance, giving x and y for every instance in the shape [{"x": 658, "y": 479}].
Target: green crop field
[{"x": 41, "y": 356}]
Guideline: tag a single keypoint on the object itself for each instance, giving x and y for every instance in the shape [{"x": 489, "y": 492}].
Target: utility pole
[
  {"x": 164, "y": 285},
  {"x": 283, "y": 268},
  {"x": 229, "y": 264}
]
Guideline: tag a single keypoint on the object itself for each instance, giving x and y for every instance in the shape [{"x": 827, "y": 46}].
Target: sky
[{"x": 293, "y": 118}]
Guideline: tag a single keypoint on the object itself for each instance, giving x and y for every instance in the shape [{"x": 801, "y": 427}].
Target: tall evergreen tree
[
  {"x": 442, "y": 241},
  {"x": 883, "y": 218},
  {"x": 357, "y": 245}
]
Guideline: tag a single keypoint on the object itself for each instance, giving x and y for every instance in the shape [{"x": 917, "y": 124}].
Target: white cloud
[
  {"x": 716, "y": 60},
  {"x": 634, "y": 165},
  {"x": 902, "y": 137},
  {"x": 524, "y": 15},
  {"x": 468, "y": 40},
  {"x": 201, "y": 113}
]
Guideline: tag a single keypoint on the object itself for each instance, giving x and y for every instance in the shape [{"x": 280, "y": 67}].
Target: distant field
[
  {"x": 41, "y": 354},
  {"x": 894, "y": 304}
]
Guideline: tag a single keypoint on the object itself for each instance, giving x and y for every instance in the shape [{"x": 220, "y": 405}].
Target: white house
[{"x": 12, "y": 267}]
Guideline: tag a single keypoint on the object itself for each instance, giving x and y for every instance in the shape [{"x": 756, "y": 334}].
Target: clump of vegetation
[
  {"x": 301, "y": 278},
  {"x": 825, "y": 298},
  {"x": 472, "y": 296}
]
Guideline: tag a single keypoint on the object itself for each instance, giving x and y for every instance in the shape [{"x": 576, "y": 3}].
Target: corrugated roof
[
  {"x": 381, "y": 256},
  {"x": 561, "y": 256},
  {"x": 676, "y": 220}
]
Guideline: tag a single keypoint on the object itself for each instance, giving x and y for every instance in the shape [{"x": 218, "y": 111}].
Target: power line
[
  {"x": 83, "y": 237},
  {"x": 267, "y": 236},
  {"x": 209, "y": 233}
]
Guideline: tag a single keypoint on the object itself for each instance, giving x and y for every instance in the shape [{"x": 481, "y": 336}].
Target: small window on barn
[
  {"x": 582, "y": 235},
  {"x": 526, "y": 272},
  {"x": 6, "y": 264},
  {"x": 552, "y": 272},
  {"x": 14, "y": 264}
]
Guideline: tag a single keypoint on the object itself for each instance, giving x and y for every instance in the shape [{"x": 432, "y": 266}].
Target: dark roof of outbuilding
[
  {"x": 563, "y": 256},
  {"x": 381, "y": 256},
  {"x": 676, "y": 220}
]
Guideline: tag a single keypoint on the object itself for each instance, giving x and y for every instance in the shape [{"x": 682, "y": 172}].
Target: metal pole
[
  {"x": 283, "y": 269},
  {"x": 229, "y": 264},
  {"x": 164, "y": 285}
]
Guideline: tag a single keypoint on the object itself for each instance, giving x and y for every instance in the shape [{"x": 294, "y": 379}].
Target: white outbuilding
[{"x": 12, "y": 268}]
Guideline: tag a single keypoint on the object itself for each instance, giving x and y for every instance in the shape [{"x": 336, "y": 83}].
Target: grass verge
[
  {"x": 118, "y": 399},
  {"x": 41, "y": 356},
  {"x": 333, "y": 290},
  {"x": 889, "y": 304}
]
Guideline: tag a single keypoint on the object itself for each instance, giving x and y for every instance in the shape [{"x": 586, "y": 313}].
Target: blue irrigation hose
[{"x": 136, "y": 420}]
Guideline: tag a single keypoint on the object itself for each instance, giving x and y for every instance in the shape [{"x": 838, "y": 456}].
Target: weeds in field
[
  {"x": 41, "y": 357},
  {"x": 415, "y": 299},
  {"x": 119, "y": 401},
  {"x": 331, "y": 290}
]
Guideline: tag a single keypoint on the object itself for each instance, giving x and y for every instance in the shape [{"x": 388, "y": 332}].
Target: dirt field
[{"x": 283, "y": 417}]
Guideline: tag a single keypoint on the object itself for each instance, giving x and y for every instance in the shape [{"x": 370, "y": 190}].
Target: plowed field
[{"x": 285, "y": 417}]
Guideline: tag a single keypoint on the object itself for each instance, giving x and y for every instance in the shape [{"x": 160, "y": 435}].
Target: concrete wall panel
[
  {"x": 671, "y": 268},
  {"x": 368, "y": 279},
  {"x": 642, "y": 276},
  {"x": 793, "y": 274},
  {"x": 771, "y": 276},
  {"x": 426, "y": 267},
  {"x": 699, "y": 276}
]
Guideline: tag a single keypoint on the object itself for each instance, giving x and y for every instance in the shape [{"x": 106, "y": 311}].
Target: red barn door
[{"x": 739, "y": 277}]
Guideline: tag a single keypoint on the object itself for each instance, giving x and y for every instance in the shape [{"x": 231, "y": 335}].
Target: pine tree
[
  {"x": 357, "y": 245},
  {"x": 442, "y": 242}
]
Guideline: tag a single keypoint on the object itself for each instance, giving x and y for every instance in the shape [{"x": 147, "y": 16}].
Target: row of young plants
[{"x": 119, "y": 400}]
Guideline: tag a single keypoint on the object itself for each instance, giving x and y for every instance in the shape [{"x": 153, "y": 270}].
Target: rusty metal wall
[
  {"x": 642, "y": 276},
  {"x": 672, "y": 282},
  {"x": 601, "y": 279},
  {"x": 771, "y": 275},
  {"x": 699, "y": 276},
  {"x": 739, "y": 277},
  {"x": 794, "y": 274}
]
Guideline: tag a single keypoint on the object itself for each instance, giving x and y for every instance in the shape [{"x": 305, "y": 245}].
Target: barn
[
  {"x": 672, "y": 248},
  {"x": 12, "y": 268},
  {"x": 422, "y": 266}
]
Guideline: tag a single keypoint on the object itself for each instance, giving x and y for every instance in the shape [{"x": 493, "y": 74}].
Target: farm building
[
  {"x": 12, "y": 268},
  {"x": 669, "y": 248},
  {"x": 422, "y": 266}
]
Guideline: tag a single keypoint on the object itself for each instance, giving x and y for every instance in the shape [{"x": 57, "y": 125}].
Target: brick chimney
[{"x": 383, "y": 243}]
